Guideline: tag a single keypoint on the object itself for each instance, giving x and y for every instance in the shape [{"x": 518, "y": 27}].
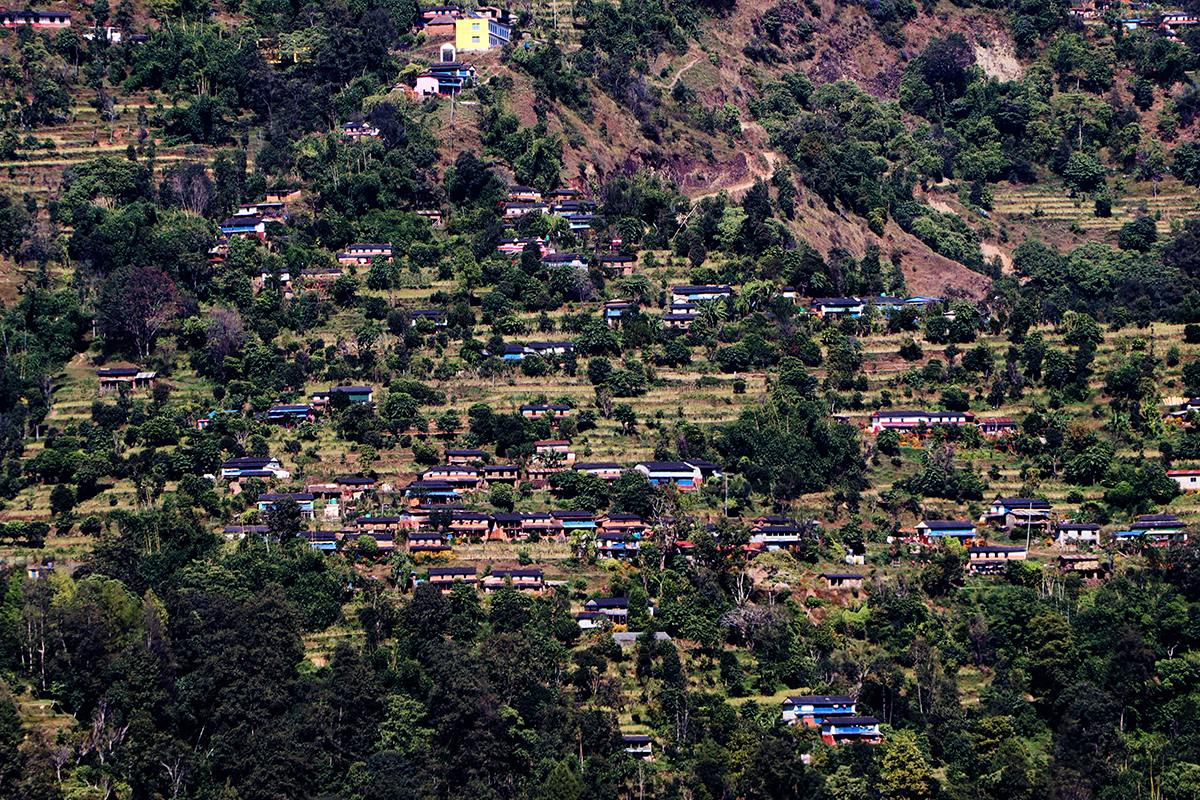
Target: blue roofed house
[
  {"x": 575, "y": 521},
  {"x": 247, "y": 226},
  {"x": 839, "y": 730},
  {"x": 325, "y": 541},
  {"x": 680, "y": 473},
  {"x": 684, "y": 474},
  {"x": 303, "y": 499},
  {"x": 1157, "y": 528},
  {"x": 614, "y": 310},
  {"x": 512, "y": 352},
  {"x": 438, "y": 83},
  {"x": 961, "y": 529},
  {"x": 618, "y": 544},
  {"x": 288, "y": 415},
  {"x": 238, "y": 467},
  {"x": 813, "y": 709},
  {"x": 693, "y": 294},
  {"x": 637, "y": 744},
  {"x": 837, "y": 307},
  {"x": 431, "y": 492}
]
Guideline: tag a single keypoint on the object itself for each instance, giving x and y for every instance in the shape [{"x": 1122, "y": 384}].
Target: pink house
[{"x": 427, "y": 85}]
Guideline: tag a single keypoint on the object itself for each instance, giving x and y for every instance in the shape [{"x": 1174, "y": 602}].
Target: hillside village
[{"x": 700, "y": 400}]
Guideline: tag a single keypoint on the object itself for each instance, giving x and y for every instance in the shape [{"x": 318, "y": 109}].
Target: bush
[
  {"x": 62, "y": 499},
  {"x": 739, "y": 386},
  {"x": 1191, "y": 333},
  {"x": 1138, "y": 235},
  {"x": 955, "y": 399},
  {"x": 425, "y": 453},
  {"x": 910, "y": 350},
  {"x": 534, "y": 366}
]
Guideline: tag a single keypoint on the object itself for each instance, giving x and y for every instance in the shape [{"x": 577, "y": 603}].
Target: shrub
[
  {"x": 62, "y": 499},
  {"x": 910, "y": 350}
]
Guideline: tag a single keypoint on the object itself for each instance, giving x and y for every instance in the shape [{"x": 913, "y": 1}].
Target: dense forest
[{"x": 169, "y": 632}]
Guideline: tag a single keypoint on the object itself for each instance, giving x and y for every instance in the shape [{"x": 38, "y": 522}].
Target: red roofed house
[{"x": 1188, "y": 479}]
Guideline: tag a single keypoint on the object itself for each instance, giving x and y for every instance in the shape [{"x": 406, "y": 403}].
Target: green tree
[
  {"x": 11, "y": 736},
  {"x": 625, "y": 415},
  {"x": 905, "y": 772},
  {"x": 502, "y": 496},
  {"x": 285, "y": 519},
  {"x": 62, "y": 499},
  {"x": 564, "y": 781},
  {"x": 1139, "y": 235}
]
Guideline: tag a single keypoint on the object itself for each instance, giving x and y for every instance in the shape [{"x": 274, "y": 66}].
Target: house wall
[{"x": 1187, "y": 483}]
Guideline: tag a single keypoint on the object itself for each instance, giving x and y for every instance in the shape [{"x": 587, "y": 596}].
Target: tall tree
[{"x": 138, "y": 303}]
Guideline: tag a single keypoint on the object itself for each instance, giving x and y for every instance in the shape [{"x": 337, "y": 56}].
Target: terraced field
[
  {"x": 38, "y": 171},
  {"x": 1050, "y": 207}
]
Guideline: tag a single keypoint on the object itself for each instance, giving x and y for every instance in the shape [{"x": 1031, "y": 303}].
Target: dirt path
[
  {"x": 990, "y": 251},
  {"x": 940, "y": 205},
  {"x": 682, "y": 70},
  {"x": 771, "y": 157}
]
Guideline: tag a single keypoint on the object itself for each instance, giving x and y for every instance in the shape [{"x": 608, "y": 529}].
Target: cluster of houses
[
  {"x": 289, "y": 415},
  {"x": 566, "y": 204},
  {"x": 484, "y": 28},
  {"x": 518, "y": 352},
  {"x": 465, "y": 472},
  {"x": 445, "y": 78},
  {"x": 684, "y": 299},
  {"x": 836, "y": 715},
  {"x": 855, "y": 307},
  {"x": 1168, "y": 24},
  {"x": 250, "y": 222},
  {"x": 1017, "y": 514},
  {"x": 41, "y": 20},
  {"x": 921, "y": 421}
]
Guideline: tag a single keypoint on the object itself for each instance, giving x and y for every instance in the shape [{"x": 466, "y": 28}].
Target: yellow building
[{"x": 480, "y": 33}]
